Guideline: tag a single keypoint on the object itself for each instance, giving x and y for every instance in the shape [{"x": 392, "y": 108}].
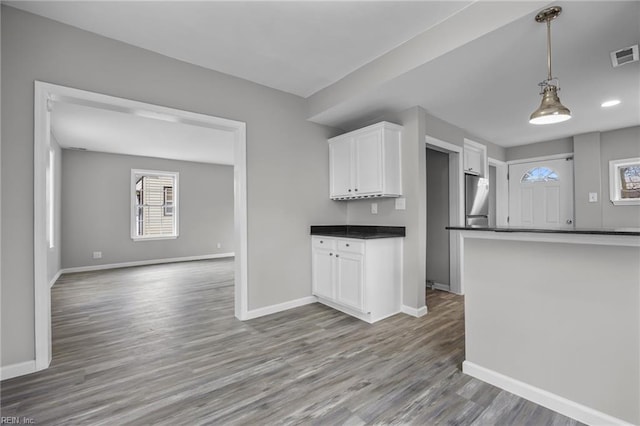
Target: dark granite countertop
[
  {"x": 364, "y": 232},
  {"x": 587, "y": 231}
]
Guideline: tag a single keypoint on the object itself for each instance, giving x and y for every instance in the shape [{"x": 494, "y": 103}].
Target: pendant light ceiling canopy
[{"x": 551, "y": 109}]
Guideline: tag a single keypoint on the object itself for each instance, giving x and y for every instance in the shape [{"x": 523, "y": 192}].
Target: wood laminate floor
[{"x": 160, "y": 345}]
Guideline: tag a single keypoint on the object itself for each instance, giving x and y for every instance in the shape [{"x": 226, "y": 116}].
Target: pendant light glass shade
[{"x": 551, "y": 109}]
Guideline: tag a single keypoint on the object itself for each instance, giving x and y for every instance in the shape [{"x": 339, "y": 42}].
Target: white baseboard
[
  {"x": 144, "y": 262},
  {"x": 419, "y": 312},
  {"x": 19, "y": 369},
  {"x": 554, "y": 402},
  {"x": 55, "y": 278},
  {"x": 440, "y": 286},
  {"x": 268, "y": 310}
]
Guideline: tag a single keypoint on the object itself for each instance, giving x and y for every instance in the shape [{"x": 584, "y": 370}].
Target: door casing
[{"x": 46, "y": 92}]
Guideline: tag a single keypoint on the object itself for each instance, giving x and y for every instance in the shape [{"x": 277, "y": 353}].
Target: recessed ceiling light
[{"x": 610, "y": 103}]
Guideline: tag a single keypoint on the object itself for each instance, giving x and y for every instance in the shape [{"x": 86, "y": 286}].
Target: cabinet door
[
  {"x": 472, "y": 161},
  {"x": 323, "y": 273},
  {"x": 340, "y": 168},
  {"x": 350, "y": 280},
  {"x": 368, "y": 162}
]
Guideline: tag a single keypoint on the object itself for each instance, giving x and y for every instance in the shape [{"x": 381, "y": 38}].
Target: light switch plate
[
  {"x": 401, "y": 203},
  {"x": 593, "y": 197},
  {"x": 374, "y": 208},
  {"x": 97, "y": 255}
]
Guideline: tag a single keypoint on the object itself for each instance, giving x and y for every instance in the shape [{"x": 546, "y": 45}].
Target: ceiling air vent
[{"x": 624, "y": 56}]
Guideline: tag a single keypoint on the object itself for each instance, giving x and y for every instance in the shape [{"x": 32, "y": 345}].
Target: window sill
[
  {"x": 629, "y": 202},
  {"x": 164, "y": 237}
]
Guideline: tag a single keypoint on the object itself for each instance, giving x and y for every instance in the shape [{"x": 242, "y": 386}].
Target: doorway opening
[
  {"x": 438, "y": 251},
  {"x": 45, "y": 96},
  {"x": 445, "y": 201}
]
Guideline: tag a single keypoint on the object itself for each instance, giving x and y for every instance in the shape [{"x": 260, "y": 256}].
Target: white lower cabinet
[{"x": 359, "y": 277}]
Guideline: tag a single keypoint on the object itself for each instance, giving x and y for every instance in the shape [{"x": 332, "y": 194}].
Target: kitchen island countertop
[
  {"x": 365, "y": 232},
  {"x": 583, "y": 231}
]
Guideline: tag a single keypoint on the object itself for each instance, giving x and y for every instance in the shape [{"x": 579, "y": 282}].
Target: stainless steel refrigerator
[{"x": 476, "y": 201}]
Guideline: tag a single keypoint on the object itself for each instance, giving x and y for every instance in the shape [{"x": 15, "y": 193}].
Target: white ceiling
[
  {"x": 98, "y": 129},
  {"x": 299, "y": 47},
  {"x": 487, "y": 86}
]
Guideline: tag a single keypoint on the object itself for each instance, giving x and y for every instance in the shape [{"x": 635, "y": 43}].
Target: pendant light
[{"x": 551, "y": 109}]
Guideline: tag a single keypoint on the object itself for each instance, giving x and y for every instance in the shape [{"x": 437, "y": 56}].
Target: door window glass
[{"x": 539, "y": 174}]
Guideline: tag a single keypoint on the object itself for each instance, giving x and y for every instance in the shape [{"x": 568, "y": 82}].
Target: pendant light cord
[{"x": 549, "y": 78}]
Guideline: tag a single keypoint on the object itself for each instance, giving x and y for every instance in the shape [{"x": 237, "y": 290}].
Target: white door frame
[
  {"x": 456, "y": 208},
  {"x": 543, "y": 158},
  {"x": 44, "y": 92},
  {"x": 502, "y": 191}
]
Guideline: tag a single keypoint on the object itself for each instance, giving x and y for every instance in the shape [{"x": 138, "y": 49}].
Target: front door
[{"x": 541, "y": 194}]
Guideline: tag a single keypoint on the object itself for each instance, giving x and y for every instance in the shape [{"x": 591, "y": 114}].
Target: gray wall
[
  {"x": 556, "y": 327},
  {"x": 287, "y": 156},
  {"x": 96, "y": 206},
  {"x": 447, "y": 132},
  {"x": 615, "y": 145},
  {"x": 437, "y": 217},
  {"x": 54, "y": 255},
  {"x": 586, "y": 164},
  {"x": 540, "y": 149}
]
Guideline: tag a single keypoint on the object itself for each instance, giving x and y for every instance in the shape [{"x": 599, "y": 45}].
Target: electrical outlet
[
  {"x": 374, "y": 208},
  {"x": 97, "y": 255},
  {"x": 593, "y": 197},
  {"x": 219, "y": 245},
  {"x": 401, "y": 203}
]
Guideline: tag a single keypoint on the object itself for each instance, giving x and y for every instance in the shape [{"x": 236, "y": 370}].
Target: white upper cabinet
[
  {"x": 475, "y": 158},
  {"x": 366, "y": 163}
]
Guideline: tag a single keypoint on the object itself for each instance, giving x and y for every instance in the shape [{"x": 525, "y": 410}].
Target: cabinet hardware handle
[
  {"x": 330, "y": 254},
  {"x": 347, "y": 245},
  {"x": 356, "y": 189},
  {"x": 321, "y": 242},
  {"x": 337, "y": 255},
  {"x": 349, "y": 190}
]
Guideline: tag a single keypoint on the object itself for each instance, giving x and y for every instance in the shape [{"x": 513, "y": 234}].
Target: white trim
[
  {"x": 419, "y": 312},
  {"x": 19, "y": 369},
  {"x": 143, "y": 263},
  {"x": 439, "y": 286},
  {"x": 42, "y": 129},
  {"x": 445, "y": 147},
  {"x": 55, "y": 278},
  {"x": 268, "y": 310},
  {"x": 240, "y": 222},
  {"x": 456, "y": 207},
  {"x": 495, "y": 162},
  {"x": 153, "y": 238},
  {"x": 554, "y": 402},
  {"x": 615, "y": 184},
  {"x": 42, "y": 291},
  {"x": 543, "y": 158},
  {"x": 502, "y": 191}
]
